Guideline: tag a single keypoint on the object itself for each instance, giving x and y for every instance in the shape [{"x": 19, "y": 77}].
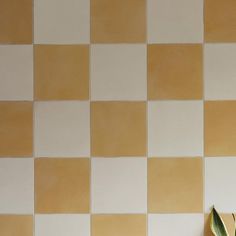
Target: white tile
[
  {"x": 16, "y": 185},
  {"x": 220, "y": 71},
  {"x": 119, "y": 185},
  {"x": 62, "y": 225},
  {"x": 175, "y": 224},
  {"x": 118, "y": 72},
  {"x": 175, "y": 21},
  {"x": 175, "y": 128},
  {"x": 62, "y": 129},
  {"x": 61, "y": 21},
  {"x": 16, "y": 72},
  {"x": 220, "y": 179}
]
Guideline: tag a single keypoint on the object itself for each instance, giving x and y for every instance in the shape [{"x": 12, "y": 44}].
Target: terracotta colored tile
[
  {"x": 17, "y": 225},
  {"x": 118, "y": 128},
  {"x": 116, "y": 225},
  {"x": 16, "y": 21},
  {"x": 220, "y": 134},
  {"x": 118, "y": 21},
  {"x": 228, "y": 220},
  {"x": 62, "y": 185},
  {"x": 175, "y": 185},
  {"x": 175, "y": 71},
  {"x": 16, "y": 121},
  {"x": 220, "y": 21},
  {"x": 61, "y": 72}
]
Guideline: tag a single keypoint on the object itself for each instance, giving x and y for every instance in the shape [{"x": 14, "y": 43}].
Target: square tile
[
  {"x": 16, "y": 125},
  {"x": 17, "y": 225},
  {"x": 118, "y": 72},
  {"x": 119, "y": 185},
  {"x": 61, "y": 72},
  {"x": 61, "y": 225},
  {"x": 16, "y": 21},
  {"x": 125, "y": 225},
  {"x": 175, "y": 21},
  {"x": 16, "y": 186},
  {"x": 175, "y": 71},
  {"x": 62, "y": 185},
  {"x": 62, "y": 129},
  {"x": 220, "y": 180},
  {"x": 16, "y": 72},
  {"x": 61, "y": 21},
  {"x": 175, "y": 128},
  {"x": 220, "y": 135},
  {"x": 122, "y": 21},
  {"x": 173, "y": 224},
  {"x": 175, "y": 185},
  {"x": 220, "y": 72},
  {"x": 118, "y": 128},
  {"x": 220, "y": 20}
]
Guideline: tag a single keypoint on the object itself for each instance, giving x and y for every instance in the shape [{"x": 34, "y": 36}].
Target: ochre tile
[
  {"x": 118, "y": 128},
  {"x": 16, "y": 136},
  {"x": 175, "y": 185},
  {"x": 220, "y": 132},
  {"x": 61, "y": 72},
  {"x": 16, "y": 21},
  {"x": 62, "y": 185},
  {"x": 228, "y": 220},
  {"x": 220, "y": 21},
  {"x": 118, "y": 21},
  {"x": 175, "y": 71},
  {"x": 16, "y": 225},
  {"x": 117, "y": 225}
]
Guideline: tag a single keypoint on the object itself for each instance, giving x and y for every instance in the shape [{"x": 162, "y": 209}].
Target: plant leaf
[
  {"x": 217, "y": 224},
  {"x": 234, "y": 224}
]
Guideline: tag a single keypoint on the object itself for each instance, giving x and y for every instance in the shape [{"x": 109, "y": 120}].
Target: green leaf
[
  {"x": 234, "y": 224},
  {"x": 217, "y": 225}
]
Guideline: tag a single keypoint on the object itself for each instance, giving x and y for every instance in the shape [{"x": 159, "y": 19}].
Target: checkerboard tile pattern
[{"x": 116, "y": 116}]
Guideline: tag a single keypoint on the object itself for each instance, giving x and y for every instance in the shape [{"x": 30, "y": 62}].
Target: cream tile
[
  {"x": 119, "y": 185},
  {"x": 61, "y": 21},
  {"x": 16, "y": 186},
  {"x": 175, "y": 128},
  {"x": 118, "y": 72},
  {"x": 62, "y": 129},
  {"x": 16, "y": 72},
  {"x": 175, "y": 21}
]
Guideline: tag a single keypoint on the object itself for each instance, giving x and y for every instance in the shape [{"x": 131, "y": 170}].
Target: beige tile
[
  {"x": 118, "y": 128},
  {"x": 175, "y": 185},
  {"x": 118, "y": 21},
  {"x": 175, "y": 71},
  {"x": 220, "y": 20},
  {"x": 62, "y": 185},
  {"x": 16, "y": 21},
  {"x": 220, "y": 134},
  {"x": 16, "y": 121},
  {"x": 61, "y": 72},
  {"x": 117, "y": 225},
  {"x": 17, "y": 225}
]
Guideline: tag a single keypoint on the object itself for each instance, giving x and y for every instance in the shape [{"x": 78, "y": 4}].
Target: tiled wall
[{"x": 117, "y": 117}]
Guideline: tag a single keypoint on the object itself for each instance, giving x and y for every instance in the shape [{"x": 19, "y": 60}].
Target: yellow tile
[
  {"x": 62, "y": 185},
  {"x": 175, "y": 185},
  {"x": 16, "y": 225},
  {"x": 16, "y": 136},
  {"x": 118, "y": 21},
  {"x": 175, "y": 71},
  {"x": 220, "y": 20},
  {"x": 16, "y": 21},
  {"x": 228, "y": 220},
  {"x": 220, "y": 132},
  {"x": 117, "y": 225},
  {"x": 118, "y": 128},
  {"x": 61, "y": 72}
]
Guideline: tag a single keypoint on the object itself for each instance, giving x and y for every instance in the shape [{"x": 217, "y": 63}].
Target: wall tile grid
[{"x": 117, "y": 117}]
